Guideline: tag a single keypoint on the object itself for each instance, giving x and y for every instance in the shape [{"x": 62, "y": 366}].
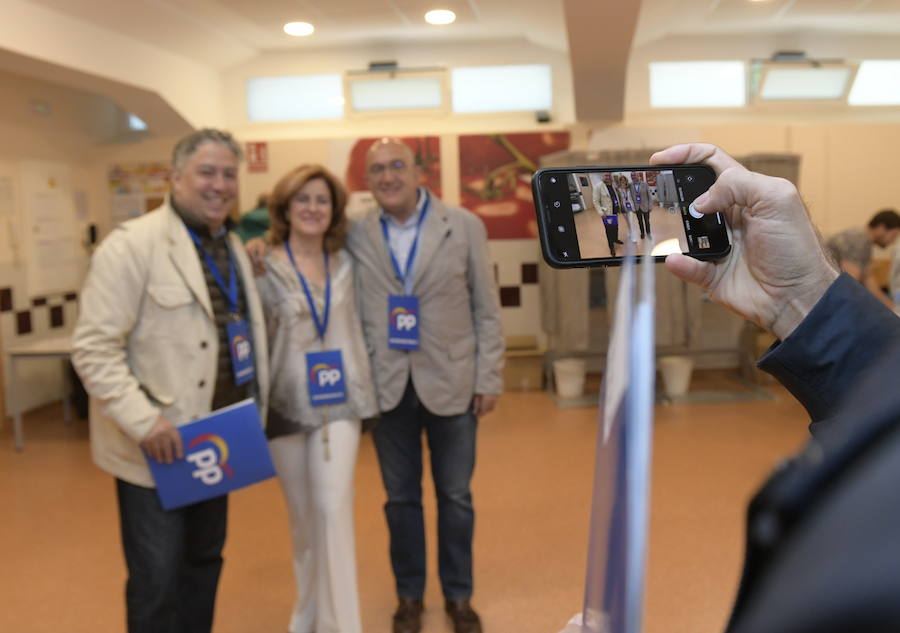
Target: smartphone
[{"x": 587, "y": 215}]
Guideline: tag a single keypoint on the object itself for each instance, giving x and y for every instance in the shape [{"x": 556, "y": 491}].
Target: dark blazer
[
  {"x": 615, "y": 199},
  {"x": 823, "y": 534}
]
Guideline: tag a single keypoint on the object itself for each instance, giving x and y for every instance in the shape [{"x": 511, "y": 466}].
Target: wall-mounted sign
[{"x": 257, "y": 157}]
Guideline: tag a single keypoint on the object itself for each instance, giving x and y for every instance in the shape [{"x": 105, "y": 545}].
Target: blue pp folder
[{"x": 224, "y": 451}]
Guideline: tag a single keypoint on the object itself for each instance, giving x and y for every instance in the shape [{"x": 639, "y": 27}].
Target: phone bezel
[{"x": 543, "y": 220}]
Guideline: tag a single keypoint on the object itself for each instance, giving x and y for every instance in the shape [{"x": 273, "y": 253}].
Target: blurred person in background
[{"x": 852, "y": 249}]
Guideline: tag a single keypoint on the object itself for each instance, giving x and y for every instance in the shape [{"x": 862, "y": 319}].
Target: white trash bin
[
  {"x": 568, "y": 373},
  {"x": 676, "y": 374}
]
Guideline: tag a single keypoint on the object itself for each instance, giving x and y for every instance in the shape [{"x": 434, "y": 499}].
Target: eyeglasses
[{"x": 396, "y": 166}]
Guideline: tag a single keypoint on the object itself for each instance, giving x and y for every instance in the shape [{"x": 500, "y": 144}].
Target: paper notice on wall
[
  {"x": 82, "y": 210},
  {"x": 56, "y": 255},
  {"x": 124, "y": 206},
  {"x": 8, "y": 242},
  {"x": 54, "y": 252},
  {"x": 7, "y": 200}
]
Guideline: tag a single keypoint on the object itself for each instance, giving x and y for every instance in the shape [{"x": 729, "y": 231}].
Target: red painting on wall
[
  {"x": 495, "y": 178},
  {"x": 427, "y": 150}
]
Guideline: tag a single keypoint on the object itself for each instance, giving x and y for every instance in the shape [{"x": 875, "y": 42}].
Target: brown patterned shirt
[{"x": 226, "y": 392}]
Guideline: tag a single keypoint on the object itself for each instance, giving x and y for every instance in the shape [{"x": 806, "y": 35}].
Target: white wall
[
  {"x": 194, "y": 90},
  {"x": 845, "y": 167},
  {"x": 846, "y": 153},
  {"x": 407, "y": 55},
  {"x": 63, "y": 135}
]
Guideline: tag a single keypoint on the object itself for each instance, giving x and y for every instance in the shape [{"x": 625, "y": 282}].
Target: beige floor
[
  {"x": 61, "y": 567},
  {"x": 592, "y": 234}
]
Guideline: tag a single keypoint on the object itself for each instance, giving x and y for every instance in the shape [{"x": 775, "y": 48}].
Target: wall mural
[{"x": 495, "y": 178}]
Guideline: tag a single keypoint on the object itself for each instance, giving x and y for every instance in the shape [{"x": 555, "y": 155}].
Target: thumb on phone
[{"x": 690, "y": 270}]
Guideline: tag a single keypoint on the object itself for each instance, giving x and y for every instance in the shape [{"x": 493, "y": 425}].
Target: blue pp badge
[
  {"x": 403, "y": 322},
  {"x": 241, "y": 351},
  {"x": 325, "y": 371},
  {"x": 610, "y": 220}
]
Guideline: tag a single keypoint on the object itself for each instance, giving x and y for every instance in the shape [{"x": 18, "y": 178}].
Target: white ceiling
[
  {"x": 662, "y": 18},
  {"x": 220, "y": 33}
]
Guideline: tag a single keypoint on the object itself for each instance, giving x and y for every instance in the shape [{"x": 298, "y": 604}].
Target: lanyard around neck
[
  {"x": 230, "y": 290},
  {"x": 321, "y": 324},
  {"x": 405, "y": 276}
]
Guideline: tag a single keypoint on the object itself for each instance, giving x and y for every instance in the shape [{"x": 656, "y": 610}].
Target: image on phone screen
[{"x": 588, "y": 216}]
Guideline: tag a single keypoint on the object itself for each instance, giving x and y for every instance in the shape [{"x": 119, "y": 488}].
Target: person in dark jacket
[{"x": 822, "y": 551}]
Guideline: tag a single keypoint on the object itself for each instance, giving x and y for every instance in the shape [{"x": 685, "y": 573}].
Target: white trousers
[
  {"x": 632, "y": 226},
  {"x": 319, "y": 495}
]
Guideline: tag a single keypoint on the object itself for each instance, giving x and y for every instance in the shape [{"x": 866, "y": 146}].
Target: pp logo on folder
[
  {"x": 224, "y": 451},
  {"x": 210, "y": 460}
]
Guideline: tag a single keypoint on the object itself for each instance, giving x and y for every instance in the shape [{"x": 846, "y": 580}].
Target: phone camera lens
[
  {"x": 689, "y": 178},
  {"x": 556, "y": 203},
  {"x": 552, "y": 180}
]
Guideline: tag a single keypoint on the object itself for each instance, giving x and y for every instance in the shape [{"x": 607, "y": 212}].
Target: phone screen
[{"x": 588, "y": 215}]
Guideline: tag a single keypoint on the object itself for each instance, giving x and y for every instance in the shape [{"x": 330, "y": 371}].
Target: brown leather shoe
[
  {"x": 465, "y": 620},
  {"x": 408, "y": 616}
]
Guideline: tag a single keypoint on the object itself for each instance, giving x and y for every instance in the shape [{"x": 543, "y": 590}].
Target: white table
[{"x": 56, "y": 347}]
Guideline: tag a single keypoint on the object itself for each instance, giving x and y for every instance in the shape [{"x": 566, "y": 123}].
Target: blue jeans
[
  {"x": 174, "y": 558},
  {"x": 451, "y": 440}
]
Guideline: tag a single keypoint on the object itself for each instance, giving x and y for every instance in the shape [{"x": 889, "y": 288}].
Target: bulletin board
[{"x": 135, "y": 188}]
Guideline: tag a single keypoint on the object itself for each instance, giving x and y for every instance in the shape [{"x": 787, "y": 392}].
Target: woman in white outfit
[
  {"x": 626, "y": 203},
  {"x": 320, "y": 390}
]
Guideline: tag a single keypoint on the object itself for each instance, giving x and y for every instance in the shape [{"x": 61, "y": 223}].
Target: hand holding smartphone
[{"x": 587, "y": 214}]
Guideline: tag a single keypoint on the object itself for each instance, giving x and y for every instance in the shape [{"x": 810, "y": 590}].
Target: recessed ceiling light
[
  {"x": 440, "y": 16},
  {"x": 299, "y": 29}
]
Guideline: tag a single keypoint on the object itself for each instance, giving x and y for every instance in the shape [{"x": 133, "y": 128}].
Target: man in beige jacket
[
  {"x": 152, "y": 347},
  {"x": 431, "y": 319}
]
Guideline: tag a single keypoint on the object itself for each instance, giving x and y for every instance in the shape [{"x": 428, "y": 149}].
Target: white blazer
[{"x": 146, "y": 343}]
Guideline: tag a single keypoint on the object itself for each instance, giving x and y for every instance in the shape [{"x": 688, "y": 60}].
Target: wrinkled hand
[
  {"x": 163, "y": 442},
  {"x": 777, "y": 268},
  {"x": 484, "y": 403},
  {"x": 256, "y": 251}
]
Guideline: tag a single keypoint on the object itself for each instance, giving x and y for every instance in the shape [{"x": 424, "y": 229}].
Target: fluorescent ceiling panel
[
  {"x": 502, "y": 88},
  {"x": 877, "y": 83},
  {"x": 805, "y": 83},
  {"x": 399, "y": 93},
  {"x": 295, "y": 98},
  {"x": 698, "y": 84}
]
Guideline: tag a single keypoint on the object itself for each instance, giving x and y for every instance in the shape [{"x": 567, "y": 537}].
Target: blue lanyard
[
  {"x": 404, "y": 275},
  {"x": 231, "y": 290},
  {"x": 321, "y": 324}
]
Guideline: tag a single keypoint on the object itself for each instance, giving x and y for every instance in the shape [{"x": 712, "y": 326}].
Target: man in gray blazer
[
  {"x": 431, "y": 318},
  {"x": 641, "y": 194}
]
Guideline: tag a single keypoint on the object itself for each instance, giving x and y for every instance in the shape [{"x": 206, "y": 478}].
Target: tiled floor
[
  {"x": 592, "y": 234},
  {"x": 61, "y": 567}
]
